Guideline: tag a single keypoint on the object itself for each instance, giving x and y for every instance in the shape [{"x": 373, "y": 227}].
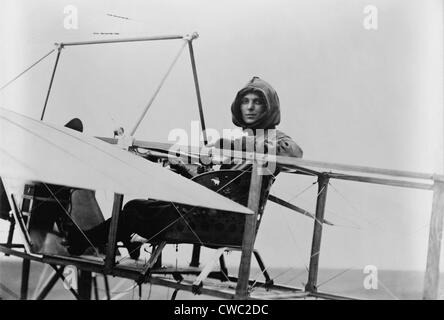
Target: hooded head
[{"x": 270, "y": 117}]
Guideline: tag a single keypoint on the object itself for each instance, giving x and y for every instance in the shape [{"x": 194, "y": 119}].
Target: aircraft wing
[{"x": 38, "y": 151}]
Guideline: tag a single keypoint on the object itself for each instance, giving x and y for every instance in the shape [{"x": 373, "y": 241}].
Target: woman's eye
[{"x": 258, "y": 102}]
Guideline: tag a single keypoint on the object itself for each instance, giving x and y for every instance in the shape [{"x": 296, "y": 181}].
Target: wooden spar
[
  {"x": 110, "y": 259},
  {"x": 431, "y": 280},
  {"x": 383, "y": 181},
  {"x": 171, "y": 283},
  {"x": 196, "y": 85},
  {"x": 298, "y": 163},
  {"x": 81, "y": 43},
  {"x": 124, "y": 271},
  {"x": 188, "y": 38},
  {"x": 249, "y": 232},
  {"x": 291, "y": 162},
  {"x": 345, "y": 167},
  {"x": 59, "y": 50},
  {"x": 317, "y": 234},
  {"x": 303, "y": 171}
]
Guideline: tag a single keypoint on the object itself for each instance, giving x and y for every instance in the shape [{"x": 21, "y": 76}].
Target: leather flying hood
[{"x": 271, "y": 118}]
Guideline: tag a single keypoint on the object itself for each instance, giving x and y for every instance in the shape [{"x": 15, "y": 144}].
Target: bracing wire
[
  {"x": 182, "y": 216},
  {"x": 26, "y": 70},
  {"x": 291, "y": 233},
  {"x": 72, "y": 220}
]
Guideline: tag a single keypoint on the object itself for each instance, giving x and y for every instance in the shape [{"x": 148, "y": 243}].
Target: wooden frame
[
  {"x": 379, "y": 176},
  {"x": 434, "y": 247}
]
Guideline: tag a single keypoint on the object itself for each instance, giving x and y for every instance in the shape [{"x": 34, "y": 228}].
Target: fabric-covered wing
[{"x": 35, "y": 150}]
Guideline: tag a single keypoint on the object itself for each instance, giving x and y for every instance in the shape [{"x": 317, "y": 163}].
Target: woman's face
[{"x": 252, "y": 107}]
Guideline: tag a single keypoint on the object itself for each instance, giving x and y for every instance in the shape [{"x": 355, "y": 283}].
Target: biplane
[{"x": 218, "y": 209}]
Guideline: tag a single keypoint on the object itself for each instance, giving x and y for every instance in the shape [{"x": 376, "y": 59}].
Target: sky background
[{"x": 348, "y": 95}]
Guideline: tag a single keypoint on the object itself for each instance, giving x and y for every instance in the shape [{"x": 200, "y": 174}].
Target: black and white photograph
[{"x": 202, "y": 150}]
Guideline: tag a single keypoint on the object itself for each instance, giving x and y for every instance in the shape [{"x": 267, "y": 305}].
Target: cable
[
  {"x": 72, "y": 220},
  {"x": 27, "y": 69},
  {"x": 182, "y": 216}
]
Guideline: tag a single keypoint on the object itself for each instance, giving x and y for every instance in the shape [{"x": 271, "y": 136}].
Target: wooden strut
[
  {"x": 95, "y": 287},
  {"x": 268, "y": 281},
  {"x": 105, "y": 280},
  {"x": 81, "y": 43},
  {"x": 317, "y": 233},
  {"x": 60, "y": 46},
  {"x": 84, "y": 284},
  {"x": 10, "y": 232},
  {"x": 121, "y": 271},
  {"x": 197, "y": 247},
  {"x": 196, "y": 84},
  {"x": 111, "y": 248},
  {"x": 59, "y": 50},
  {"x": 295, "y": 208},
  {"x": 51, "y": 281},
  {"x": 431, "y": 280},
  {"x": 195, "y": 258},
  {"x": 18, "y": 217},
  {"x": 249, "y": 233},
  {"x": 145, "y": 273},
  {"x": 59, "y": 272},
  {"x": 25, "y": 279}
]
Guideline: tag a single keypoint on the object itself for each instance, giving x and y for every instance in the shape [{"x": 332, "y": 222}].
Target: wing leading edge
[{"x": 35, "y": 150}]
